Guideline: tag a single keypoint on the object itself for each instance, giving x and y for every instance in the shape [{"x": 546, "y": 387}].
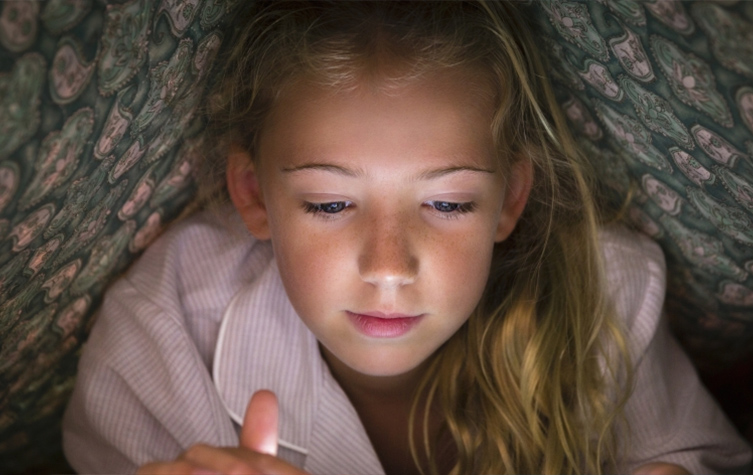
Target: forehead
[{"x": 443, "y": 114}]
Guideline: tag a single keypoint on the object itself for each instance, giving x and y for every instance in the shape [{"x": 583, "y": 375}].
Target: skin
[
  {"x": 396, "y": 167},
  {"x": 389, "y": 249},
  {"x": 255, "y": 454}
]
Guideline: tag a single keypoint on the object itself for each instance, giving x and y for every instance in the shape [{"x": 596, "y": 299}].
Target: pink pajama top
[{"x": 202, "y": 321}]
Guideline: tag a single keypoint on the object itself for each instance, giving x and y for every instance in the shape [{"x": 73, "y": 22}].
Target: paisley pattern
[
  {"x": 59, "y": 16},
  {"x": 673, "y": 14},
  {"x": 20, "y": 98},
  {"x": 632, "y": 57},
  {"x": 673, "y": 95},
  {"x": 656, "y": 113},
  {"x": 98, "y": 141},
  {"x": 70, "y": 73},
  {"x": 100, "y": 136},
  {"x": 58, "y": 157},
  {"x": 731, "y": 37},
  {"x": 691, "y": 80},
  {"x": 18, "y": 25},
  {"x": 632, "y": 137},
  {"x": 125, "y": 43}
]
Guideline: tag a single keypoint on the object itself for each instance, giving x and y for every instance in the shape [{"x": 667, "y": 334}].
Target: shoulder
[
  {"x": 179, "y": 288},
  {"x": 143, "y": 385},
  {"x": 210, "y": 240},
  {"x": 624, "y": 250},
  {"x": 200, "y": 262},
  {"x": 635, "y": 275},
  {"x": 671, "y": 417}
]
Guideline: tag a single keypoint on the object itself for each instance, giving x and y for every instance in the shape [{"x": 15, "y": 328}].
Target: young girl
[{"x": 424, "y": 288}]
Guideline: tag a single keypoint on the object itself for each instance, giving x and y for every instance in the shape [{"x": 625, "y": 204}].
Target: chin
[
  {"x": 384, "y": 367},
  {"x": 382, "y": 372}
]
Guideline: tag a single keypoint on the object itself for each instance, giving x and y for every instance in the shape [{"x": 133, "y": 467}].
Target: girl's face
[{"x": 383, "y": 208}]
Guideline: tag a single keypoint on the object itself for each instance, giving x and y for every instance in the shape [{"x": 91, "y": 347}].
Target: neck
[
  {"x": 383, "y": 404},
  {"x": 387, "y": 389}
]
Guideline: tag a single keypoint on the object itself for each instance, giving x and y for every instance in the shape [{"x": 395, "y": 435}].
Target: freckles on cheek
[
  {"x": 472, "y": 262},
  {"x": 308, "y": 262},
  {"x": 471, "y": 268}
]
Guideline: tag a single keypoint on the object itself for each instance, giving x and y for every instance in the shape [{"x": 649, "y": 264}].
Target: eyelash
[
  {"x": 319, "y": 209},
  {"x": 457, "y": 209}
]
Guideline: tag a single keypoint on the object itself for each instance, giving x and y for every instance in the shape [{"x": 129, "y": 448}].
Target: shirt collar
[{"x": 262, "y": 344}]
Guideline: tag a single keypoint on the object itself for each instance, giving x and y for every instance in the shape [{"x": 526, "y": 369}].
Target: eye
[
  {"x": 333, "y": 207},
  {"x": 449, "y": 208}
]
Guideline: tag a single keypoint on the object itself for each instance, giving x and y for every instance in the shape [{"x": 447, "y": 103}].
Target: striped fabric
[{"x": 202, "y": 321}]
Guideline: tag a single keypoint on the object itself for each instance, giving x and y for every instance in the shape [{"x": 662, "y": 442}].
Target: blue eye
[
  {"x": 448, "y": 207},
  {"x": 326, "y": 208}
]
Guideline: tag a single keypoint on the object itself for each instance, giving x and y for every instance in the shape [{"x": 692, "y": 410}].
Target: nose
[{"x": 387, "y": 259}]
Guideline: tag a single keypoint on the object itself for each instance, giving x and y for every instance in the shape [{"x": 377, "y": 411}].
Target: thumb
[{"x": 259, "y": 431}]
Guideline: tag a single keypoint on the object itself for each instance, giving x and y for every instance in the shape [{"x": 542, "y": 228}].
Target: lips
[{"x": 382, "y": 325}]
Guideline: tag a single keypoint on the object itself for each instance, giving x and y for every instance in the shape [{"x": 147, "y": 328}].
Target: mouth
[{"x": 384, "y": 325}]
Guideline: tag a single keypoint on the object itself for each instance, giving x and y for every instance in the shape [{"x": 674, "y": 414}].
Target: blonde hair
[{"x": 534, "y": 381}]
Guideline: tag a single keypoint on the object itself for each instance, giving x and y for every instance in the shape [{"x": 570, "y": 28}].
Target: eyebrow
[
  {"x": 324, "y": 167},
  {"x": 427, "y": 175}
]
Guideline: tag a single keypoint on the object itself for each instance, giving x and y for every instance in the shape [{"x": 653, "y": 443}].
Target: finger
[
  {"x": 221, "y": 460},
  {"x": 660, "y": 468},
  {"x": 171, "y": 468},
  {"x": 259, "y": 431},
  {"x": 236, "y": 461}
]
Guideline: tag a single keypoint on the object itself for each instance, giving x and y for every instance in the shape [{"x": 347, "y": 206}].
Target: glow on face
[{"x": 383, "y": 204}]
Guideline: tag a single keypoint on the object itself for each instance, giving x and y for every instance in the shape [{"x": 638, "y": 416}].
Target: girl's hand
[
  {"x": 256, "y": 453},
  {"x": 660, "y": 468}
]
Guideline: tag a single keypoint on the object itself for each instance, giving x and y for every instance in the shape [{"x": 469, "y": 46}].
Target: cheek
[
  {"x": 461, "y": 271},
  {"x": 309, "y": 266}
]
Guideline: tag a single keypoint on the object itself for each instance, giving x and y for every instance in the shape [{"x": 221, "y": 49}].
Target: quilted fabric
[
  {"x": 98, "y": 140},
  {"x": 99, "y": 135},
  {"x": 660, "y": 94}
]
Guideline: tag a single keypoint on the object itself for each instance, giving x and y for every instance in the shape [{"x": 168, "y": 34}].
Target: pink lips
[{"x": 380, "y": 325}]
